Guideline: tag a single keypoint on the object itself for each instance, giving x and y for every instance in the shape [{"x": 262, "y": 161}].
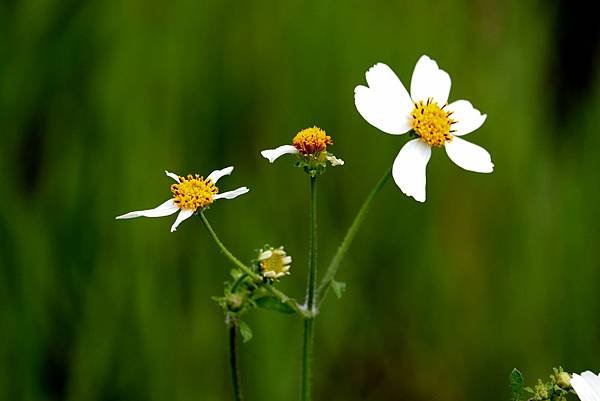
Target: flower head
[
  {"x": 387, "y": 105},
  {"x": 587, "y": 386},
  {"x": 190, "y": 194},
  {"x": 311, "y": 141},
  {"x": 274, "y": 263},
  {"x": 310, "y": 145}
]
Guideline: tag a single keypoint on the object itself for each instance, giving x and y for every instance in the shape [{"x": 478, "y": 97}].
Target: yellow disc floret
[
  {"x": 311, "y": 141},
  {"x": 193, "y": 192},
  {"x": 432, "y": 123}
]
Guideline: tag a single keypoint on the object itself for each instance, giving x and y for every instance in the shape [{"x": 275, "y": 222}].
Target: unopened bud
[
  {"x": 234, "y": 302},
  {"x": 563, "y": 380}
]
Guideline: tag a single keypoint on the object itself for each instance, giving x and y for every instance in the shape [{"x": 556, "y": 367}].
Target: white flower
[
  {"x": 587, "y": 386},
  {"x": 190, "y": 194},
  {"x": 386, "y": 105},
  {"x": 274, "y": 263},
  {"x": 310, "y": 143}
]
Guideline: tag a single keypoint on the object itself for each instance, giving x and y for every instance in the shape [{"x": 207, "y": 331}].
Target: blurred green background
[{"x": 444, "y": 298}]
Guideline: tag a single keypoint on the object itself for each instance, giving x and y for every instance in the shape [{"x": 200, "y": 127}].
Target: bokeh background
[{"x": 444, "y": 298}]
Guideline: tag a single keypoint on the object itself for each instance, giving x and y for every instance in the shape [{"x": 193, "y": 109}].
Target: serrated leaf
[
  {"x": 516, "y": 385},
  {"x": 245, "y": 331},
  {"x": 274, "y": 304},
  {"x": 338, "y": 288}
]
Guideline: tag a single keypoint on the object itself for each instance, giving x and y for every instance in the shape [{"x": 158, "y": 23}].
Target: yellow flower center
[
  {"x": 311, "y": 141},
  {"x": 193, "y": 192},
  {"x": 432, "y": 123}
]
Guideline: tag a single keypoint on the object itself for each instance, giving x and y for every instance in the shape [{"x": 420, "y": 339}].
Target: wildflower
[
  {"x": 190, "y": 194},
  {"x": 274, "y": 263},
  {"x": 310, "y": 144},
  {"x": 587, "y": 386},
  {"x": 386, "y": 105}
]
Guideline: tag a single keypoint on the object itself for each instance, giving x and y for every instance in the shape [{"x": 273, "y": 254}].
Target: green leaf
[
  {"x": 275, "y": 304},
  {"x": 516, "y": 385},
  {"x": 245, "y": 331},
  {"x": 338, "y": 288}
]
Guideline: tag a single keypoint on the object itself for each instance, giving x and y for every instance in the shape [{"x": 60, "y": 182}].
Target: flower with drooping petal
[
  {"x": 386, "y": 105},
  {"x": 274, "y": 263},
  {"x": 190, "y": 194},
  {"x": 587, "y": 386},
  {"x": 310, "y": 145}
]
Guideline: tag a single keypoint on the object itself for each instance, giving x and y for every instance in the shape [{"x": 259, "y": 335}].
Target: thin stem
[
  {"x": 283, "y": 298},
  {"x": 311, "y": 285},
  {"x": 341, "y": 252},
  {"x": 236, "y": 387},
  {"x": 311, "y": 293}
]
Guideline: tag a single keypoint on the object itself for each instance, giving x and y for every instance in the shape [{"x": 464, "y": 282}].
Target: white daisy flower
[
  {"x": 587, "y": 386},
  {"x": 310, "y": 143},
  {"x": 190, "y": 194},
  {"x": 386, "y": 105}
]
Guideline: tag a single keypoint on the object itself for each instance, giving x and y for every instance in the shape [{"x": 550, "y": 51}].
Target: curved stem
[
  {"x": 341, "y": 252},
  {"x": 311, "y": 293},
  {"x": 283, "y": 298},
  {"x": 238, "y": 282},
  {"x": 236, "y": 387}
]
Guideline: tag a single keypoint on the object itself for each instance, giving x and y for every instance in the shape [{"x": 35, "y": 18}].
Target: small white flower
[
  {"x": 274, "y": 263},
  {"x": 386, "y": 105},
  {"x": 587, "y": 386},
  {"x": 190, "y": 194},
  {"x": 310, "y": 143}
]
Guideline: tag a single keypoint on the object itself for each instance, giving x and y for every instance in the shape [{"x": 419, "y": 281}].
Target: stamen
[
  {"x": 431, "y": 123},
  {"x": 311, "y": 141},
  {"x": 193, "y": 192}
]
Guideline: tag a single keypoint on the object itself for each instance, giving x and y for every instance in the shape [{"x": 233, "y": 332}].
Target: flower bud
[{"x": 563, "y": 380}]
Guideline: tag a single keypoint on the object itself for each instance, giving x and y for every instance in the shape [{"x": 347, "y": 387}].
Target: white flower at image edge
[
  {"x": 190, "y": 194},
  {"x": 587, "y": 386},
  {"x": 387, "y": 105}
]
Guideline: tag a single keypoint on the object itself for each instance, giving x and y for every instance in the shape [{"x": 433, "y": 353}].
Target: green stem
[
  {"x": 236, "y": 387},
  {"x": 341, "y": 252},
  {"x": 311, "y": 293},
  {"x": 283, "y": 298},
  {"x": 238, "y": 282}
]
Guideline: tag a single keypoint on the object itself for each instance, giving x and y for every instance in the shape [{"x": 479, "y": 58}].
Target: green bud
[
  {"x": 235, "y": 302},
  {"x": 563, "y": 380},
  {"x": 541, "y": 392}
]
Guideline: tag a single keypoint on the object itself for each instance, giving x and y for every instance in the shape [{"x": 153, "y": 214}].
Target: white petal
[
  {"x": 467, "y": 118},
  {"x": 183, "y": 215},
  {"x": 172, "y": 175},
  {"x": 429, "y": 81},
  {"x": 469, "y": 156},
  {"x": 286, "y": 260},
  {"x": 587, "y": 386},
  {"x": 274, "y": 154},
  {"x": 385, "y": 103},
  {"x": 593, "y": 382},
  {"x": 334, "y": 160},
  {"x": 164, "y": 209},
  {"x": 265, "y": 255},
  {"x": 232, "y": 194},
  {"x": 217, "y": 174},
  {"x": 409, "y": 168}
]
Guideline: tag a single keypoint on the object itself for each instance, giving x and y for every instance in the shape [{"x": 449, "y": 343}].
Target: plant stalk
[
  {"x": 311, "y": 297},
  {"x": 236, "y": 387},
  {"x": 350, "y": 234}
]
